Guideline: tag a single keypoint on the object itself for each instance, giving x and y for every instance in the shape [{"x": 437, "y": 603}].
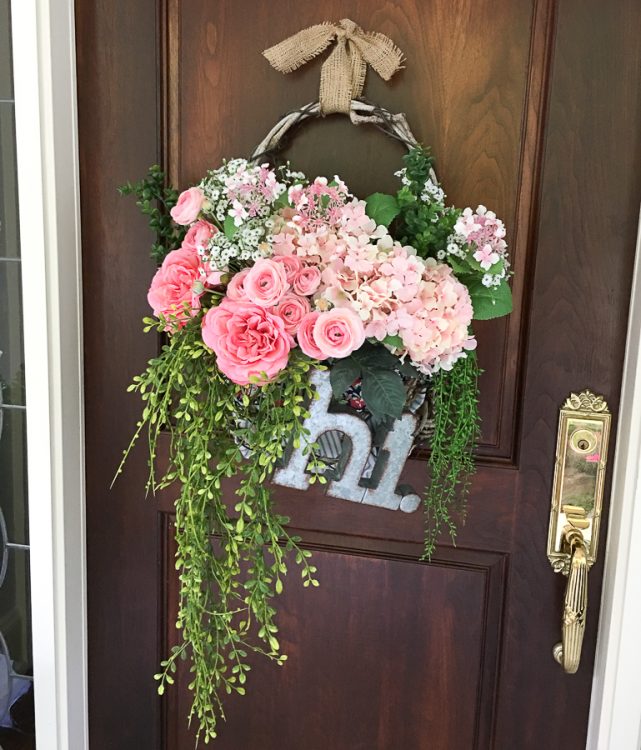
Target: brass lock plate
[{"x": 579, "y": 475}]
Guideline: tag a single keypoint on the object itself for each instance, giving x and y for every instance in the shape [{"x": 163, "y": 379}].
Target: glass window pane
[
  {"x": 9, "y": 237},
  {"x": 15, "y": 613},
  {"x": 17, "y": 718},
  {"x": 6, "y": 83},
  {"x": 11, "y": 344},
  {"x": 13, "y": 474}
]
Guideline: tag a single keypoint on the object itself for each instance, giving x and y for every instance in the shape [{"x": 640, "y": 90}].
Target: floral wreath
[{"x": 266, "y": 275}]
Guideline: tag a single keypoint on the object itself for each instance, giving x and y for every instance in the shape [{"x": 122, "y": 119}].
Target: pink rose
[
  {"x": 266, "y": 283},
  {"x": 172, "y": 287},
  {"x": 236, "y": 288},
  {"x": 305, "y": 335},
  {"x": 188, "y": 207},
  {"x": 249, "y": 341},
  {"x": 216, "y": 278},
  {"x": 292, "y": 309},
  {"x": 198, "y": 235},
  {"x": 338, "y": 332},
  {"x": 291, "y": 263},
  {"x": 307, "y": 281}
]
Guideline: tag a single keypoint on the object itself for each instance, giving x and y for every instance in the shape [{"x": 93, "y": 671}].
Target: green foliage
[
  {"x": 381, "y": 374},
  {"x": 382, "y": 208},
  {"x": 155, "y": 200},
  {"x": 490, "y": 302},
  {"x": 231, "y": 557},
  {"x": 425, "y": 225},
  {"x": 451, "y": 461},
  {"x": 229, "y": 227},
  {"x": 343, "y": 374}
]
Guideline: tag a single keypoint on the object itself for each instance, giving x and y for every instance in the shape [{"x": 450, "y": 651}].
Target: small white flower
[{"x": 452, "y": 248}]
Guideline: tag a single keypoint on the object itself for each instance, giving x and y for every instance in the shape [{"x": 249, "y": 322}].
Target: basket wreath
[{"x": 266, "y": 275}]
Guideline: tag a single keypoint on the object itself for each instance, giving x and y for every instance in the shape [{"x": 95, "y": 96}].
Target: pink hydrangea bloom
[
  {"x": 403, "y": 295},
  {"x": 483, "y": 230}
]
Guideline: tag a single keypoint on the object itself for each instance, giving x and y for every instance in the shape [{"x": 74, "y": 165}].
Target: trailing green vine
[
  {"x": 231, "y": 561},
  {"x": 451, "y": 461}
]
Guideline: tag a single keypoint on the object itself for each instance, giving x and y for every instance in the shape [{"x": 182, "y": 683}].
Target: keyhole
[{"x": 583, "y": 445}]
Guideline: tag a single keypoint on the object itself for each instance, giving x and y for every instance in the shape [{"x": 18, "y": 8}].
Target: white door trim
[
  {"x": 615, "y": 713},
  {"x": 47, "y": 144},
  {"x": 48, "y": 189}
]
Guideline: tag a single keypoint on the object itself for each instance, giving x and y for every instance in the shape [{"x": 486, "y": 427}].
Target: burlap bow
[{"x": 343, "y": 73}]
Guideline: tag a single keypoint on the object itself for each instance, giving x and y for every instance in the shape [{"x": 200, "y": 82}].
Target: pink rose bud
[
  {"x": 307, "y": 281},
  {"x": 236, "y": 287},
  {"x": 292, "y": 309},
  {"x": 305, "y": 336},
  {"x": 198, "y": 235},
  {"x": 188, "y": 207},
  {"x": 339, "y": 332},
  {"x": 291, "y": 263},
  {"x": 266, "y": 283}
]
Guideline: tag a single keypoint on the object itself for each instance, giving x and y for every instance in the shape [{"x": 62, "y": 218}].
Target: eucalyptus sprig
[{"x": 231, "y": 560}]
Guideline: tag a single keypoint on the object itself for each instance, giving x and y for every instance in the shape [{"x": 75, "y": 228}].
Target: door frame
[
  {"x": 43, "y": 42},
  {"x": 615, "y": 709},
  {"x": 43, "y": 34}
]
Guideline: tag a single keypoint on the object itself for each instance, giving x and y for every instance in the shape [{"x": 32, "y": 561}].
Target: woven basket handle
[{"x": 394, "y": 125}]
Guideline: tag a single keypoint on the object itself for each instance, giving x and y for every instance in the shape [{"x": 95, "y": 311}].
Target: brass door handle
[
  {"x": 575, "y": 514},
  {"x": 568, "y": 652}
]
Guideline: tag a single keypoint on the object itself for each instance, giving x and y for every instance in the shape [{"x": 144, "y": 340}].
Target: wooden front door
[{"x": 530, "y": 107}]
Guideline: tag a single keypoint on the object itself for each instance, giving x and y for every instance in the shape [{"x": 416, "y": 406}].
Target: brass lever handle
[{"x": 568, "y": 653}]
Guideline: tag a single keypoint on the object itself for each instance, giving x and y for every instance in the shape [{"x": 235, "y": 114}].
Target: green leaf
[
  {"x": 375, "y": 357},
  {"x": 229, "y": 227},
  {"x": 460, "y": 265},
  {"x": 384, "y": 393},
  {"x": 382, "y": 208},
  {"x": 394, "y": 341},
  {"x": 343, "y": 374},
  {"x": 490, "y": 302},
  {"x": 407, "y": 368}
]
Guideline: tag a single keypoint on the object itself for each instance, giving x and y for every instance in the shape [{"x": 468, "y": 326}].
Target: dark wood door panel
[
  {"x": 487, "y": 525},
  {"x": 386, "y": 653}
]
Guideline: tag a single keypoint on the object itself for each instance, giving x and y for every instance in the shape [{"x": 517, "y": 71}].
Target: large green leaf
[
  {"x": 343, "y": 374},
  {"x": 490, "y": 302},
  {"x": 375, "y": 357},
  {"x": 384, "y": 393},
  {"x": 382, "y": 208}
]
